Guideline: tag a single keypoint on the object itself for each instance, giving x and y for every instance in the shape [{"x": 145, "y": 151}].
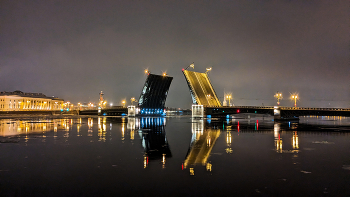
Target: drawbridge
[
  {"x": 154, "y": 94},
  {"x": 202, "y": 92}
]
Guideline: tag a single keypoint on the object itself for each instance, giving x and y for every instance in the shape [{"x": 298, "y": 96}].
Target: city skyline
[{"x": 74, "y": 50}]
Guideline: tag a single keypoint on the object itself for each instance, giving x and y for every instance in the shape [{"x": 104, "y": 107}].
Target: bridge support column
[
  {"x": 276, "y": 113},
  {"x": 131, "y": 110},
  {"x": 197, "y": 111}
]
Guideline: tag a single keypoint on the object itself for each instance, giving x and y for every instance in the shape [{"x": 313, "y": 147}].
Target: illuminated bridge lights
[
  {"x": 151, "y": 111},
  {"x": 201, "y": 90}
]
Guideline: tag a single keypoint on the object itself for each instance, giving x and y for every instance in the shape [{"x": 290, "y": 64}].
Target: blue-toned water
[{"x": 174, "y": 156}]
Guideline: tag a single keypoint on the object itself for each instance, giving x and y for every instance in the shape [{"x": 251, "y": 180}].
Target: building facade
[{"x": 21, "y": 101}]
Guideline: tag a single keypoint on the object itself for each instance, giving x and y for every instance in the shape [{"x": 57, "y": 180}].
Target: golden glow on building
[{"x": 20, "y": 101}]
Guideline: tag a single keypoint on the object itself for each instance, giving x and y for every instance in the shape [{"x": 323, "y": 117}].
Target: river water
[{"x": 174, "y": 156}]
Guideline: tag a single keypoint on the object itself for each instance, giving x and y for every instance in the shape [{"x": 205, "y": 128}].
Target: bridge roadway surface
[
  {"x": 201, "y": 88},
  {"x": 285, "y": 112}
]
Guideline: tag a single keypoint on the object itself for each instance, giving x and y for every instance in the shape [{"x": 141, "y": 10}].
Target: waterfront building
[{"x": 21, "y": 101}]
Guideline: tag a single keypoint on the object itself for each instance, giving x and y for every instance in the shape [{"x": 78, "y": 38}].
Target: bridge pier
[
  {"x": 131, "y": 111},
  {"x": 197, "y": 111}
]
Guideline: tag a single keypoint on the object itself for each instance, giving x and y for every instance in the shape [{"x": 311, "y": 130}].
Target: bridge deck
[
  {"x": 202, "y": 91},
  {"x": 285, "y": 112}
]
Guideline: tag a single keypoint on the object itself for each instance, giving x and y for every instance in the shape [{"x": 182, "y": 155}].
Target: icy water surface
[{"x": 176, "y": 156}]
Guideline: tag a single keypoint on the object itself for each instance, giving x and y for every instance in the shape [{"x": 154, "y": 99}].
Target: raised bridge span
[{"x": 203, "y": 94}]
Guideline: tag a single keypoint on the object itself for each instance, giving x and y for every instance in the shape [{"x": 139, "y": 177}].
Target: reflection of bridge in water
[
  {"x": 153, "y": 138},
  {"x": 202, "y": 143},
  {"x": 284, "y": 137}
]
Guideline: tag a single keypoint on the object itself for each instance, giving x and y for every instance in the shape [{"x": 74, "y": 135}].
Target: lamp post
[
  {"x": 208, "y": 69},
  {"x": 123, "y": 102},
  {"x": 279, "y": 97},
  {"x": 133, "y": 100},
  {"x": 229, "y": 97},
  {"x": 295, "y": 97},
  {"x": 191, "y": 65}
]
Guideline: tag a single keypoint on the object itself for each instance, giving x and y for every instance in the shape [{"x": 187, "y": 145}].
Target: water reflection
[
  {"x": 279, "y": 142},
  {"x": 9, "y": 127},
  {"x": 202, "y": 143},
  {"x": 225, "y": 149},
  {"x": 153, "y": 138}
]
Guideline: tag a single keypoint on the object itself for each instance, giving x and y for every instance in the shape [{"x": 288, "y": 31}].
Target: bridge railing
[
  {"x": 312, "y": 108},
  {"x": 248, "y": 107},
  {"x": 283, "y": 108}
]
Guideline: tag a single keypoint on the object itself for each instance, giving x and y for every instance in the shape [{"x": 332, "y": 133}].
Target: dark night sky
[{"x": 75, "y": 49}]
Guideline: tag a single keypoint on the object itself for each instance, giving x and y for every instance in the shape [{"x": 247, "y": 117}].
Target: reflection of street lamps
[
  {"x": 295, "y": 97},
  {"x": 279, "y": 97}
]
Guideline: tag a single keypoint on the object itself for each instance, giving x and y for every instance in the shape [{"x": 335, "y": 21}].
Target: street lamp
[
  {"x": 229, "y": 97},
  {"x": 123, "y": 102},
  {"x": 191, "y": 65},
  {"x": 295, "y": 97},
  {"x": 133, "y": 100},
  {"x": 279, "y": 97},
  {"x": 208, "y": 69}
]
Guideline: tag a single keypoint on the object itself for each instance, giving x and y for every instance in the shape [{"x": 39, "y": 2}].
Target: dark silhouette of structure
[{"x": 154, "y": 94}]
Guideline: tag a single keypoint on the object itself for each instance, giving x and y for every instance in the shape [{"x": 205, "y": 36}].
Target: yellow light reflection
[
  {"x": 228, "y": 138},
  {"x": 163, "y": 161},
  {"x": 123, "y": 130},
  {"x": 145, "y": 162},
  {"x": 191, "y": 171},
  {"x": 132, "y": 134},
  {"x": 295, "y": 141},
  {"x": 278, "y": 144},
  {"x": 209, "y": 166},
  {"x": 9, "y": 127},
  {"x": 78, "y": 129}
]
